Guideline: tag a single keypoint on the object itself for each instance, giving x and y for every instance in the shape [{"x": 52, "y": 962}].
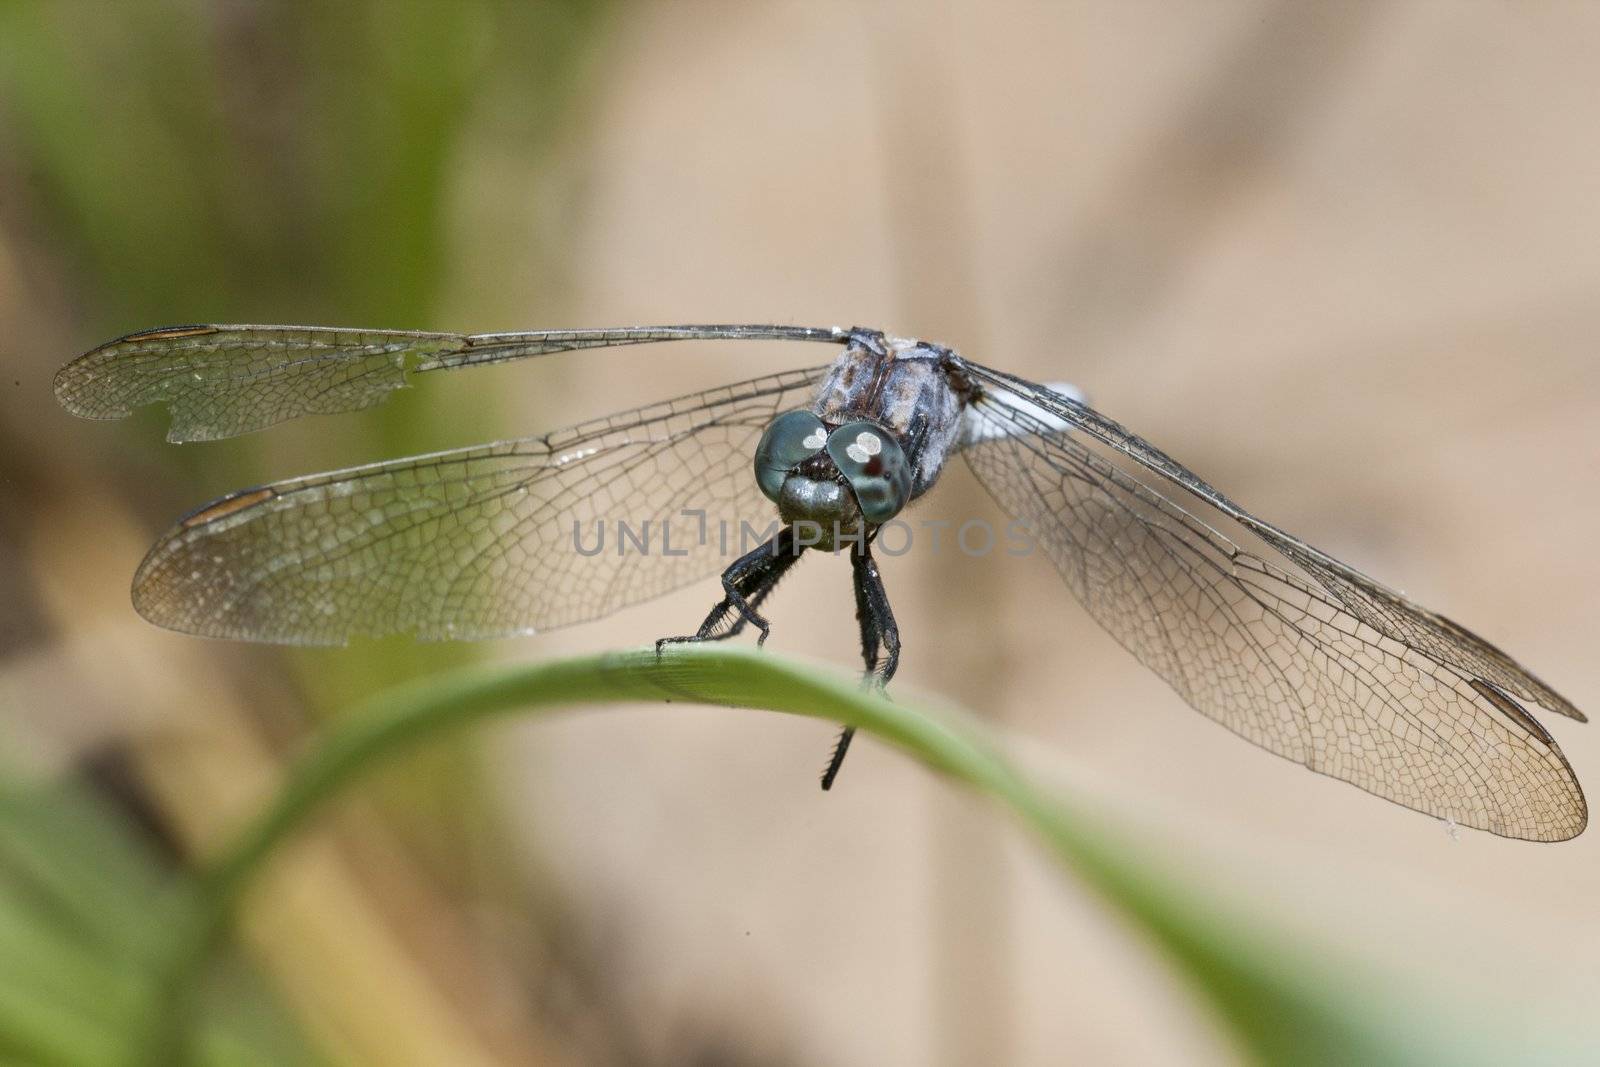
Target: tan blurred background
[{"x": 1342, "y": 259}]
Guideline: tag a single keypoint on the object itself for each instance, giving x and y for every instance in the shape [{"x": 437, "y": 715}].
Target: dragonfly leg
[
  {"x": 747, "y": 582},
  {"x": 878, "y": 633}
]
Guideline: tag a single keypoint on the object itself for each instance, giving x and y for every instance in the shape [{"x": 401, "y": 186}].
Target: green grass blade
[{"x": 1284, "y": 1000}]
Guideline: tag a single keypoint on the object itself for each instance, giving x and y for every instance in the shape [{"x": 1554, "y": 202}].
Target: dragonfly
[{"x": 1281, "y": 643}]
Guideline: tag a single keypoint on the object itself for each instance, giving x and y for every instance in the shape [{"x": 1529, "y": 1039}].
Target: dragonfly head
[{"x": 842, "y": 478}]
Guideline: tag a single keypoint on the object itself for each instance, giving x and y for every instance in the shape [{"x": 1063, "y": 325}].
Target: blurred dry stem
[{"x": 929, "y": 213}]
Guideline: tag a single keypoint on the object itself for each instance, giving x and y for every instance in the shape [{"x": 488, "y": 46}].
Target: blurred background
[{"x": 1342, "y": 259}]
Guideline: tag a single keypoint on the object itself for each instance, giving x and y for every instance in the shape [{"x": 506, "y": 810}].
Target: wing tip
[
  {"x": 72, "y": 388},
  {"x": 1561, "y": 705},
  {"x": 74, "y": 383}
]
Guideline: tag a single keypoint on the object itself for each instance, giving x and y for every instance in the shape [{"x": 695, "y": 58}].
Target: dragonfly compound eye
[
  {"x": 872, "y": 462},
  {"x": 792, "y": 437}
]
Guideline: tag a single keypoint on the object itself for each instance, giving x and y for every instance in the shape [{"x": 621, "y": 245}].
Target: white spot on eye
[
  {"x": 865, "y": 446},
  {"x": 816, "y": 440}
]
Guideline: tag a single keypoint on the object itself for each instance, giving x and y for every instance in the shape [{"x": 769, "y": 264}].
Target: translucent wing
[
  {"x": 1277, "y": 641},
  {"x": 478, "y": 542},
  {"x": 219, "y": 381}
]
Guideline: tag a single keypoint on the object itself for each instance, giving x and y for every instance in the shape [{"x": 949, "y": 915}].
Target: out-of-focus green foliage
[
  {"x": 170, "y": 161},
  {"x": 88, "y": 914},
  {"x": 210, "y": 159},
  {"x": 195, "y": 162}
]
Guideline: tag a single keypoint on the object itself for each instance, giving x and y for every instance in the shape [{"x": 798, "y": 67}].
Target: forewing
[
  {"x": 478, "y": 542},
  {"x": 1266, "y": 635},
  {"x": 219, "y": 381}
]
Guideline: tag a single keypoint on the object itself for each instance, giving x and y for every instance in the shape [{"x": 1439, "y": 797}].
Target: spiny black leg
[
  {"x": 836, "y": 760},
  {"x": 877, "y": 629},
  {"x": 877, "y": 620},
  {"x": 869, "y": 655},
  {"x": 864, "y": 619},
  {"x": 756, "y": 591},
  {"x": 747, "y": 582}
]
